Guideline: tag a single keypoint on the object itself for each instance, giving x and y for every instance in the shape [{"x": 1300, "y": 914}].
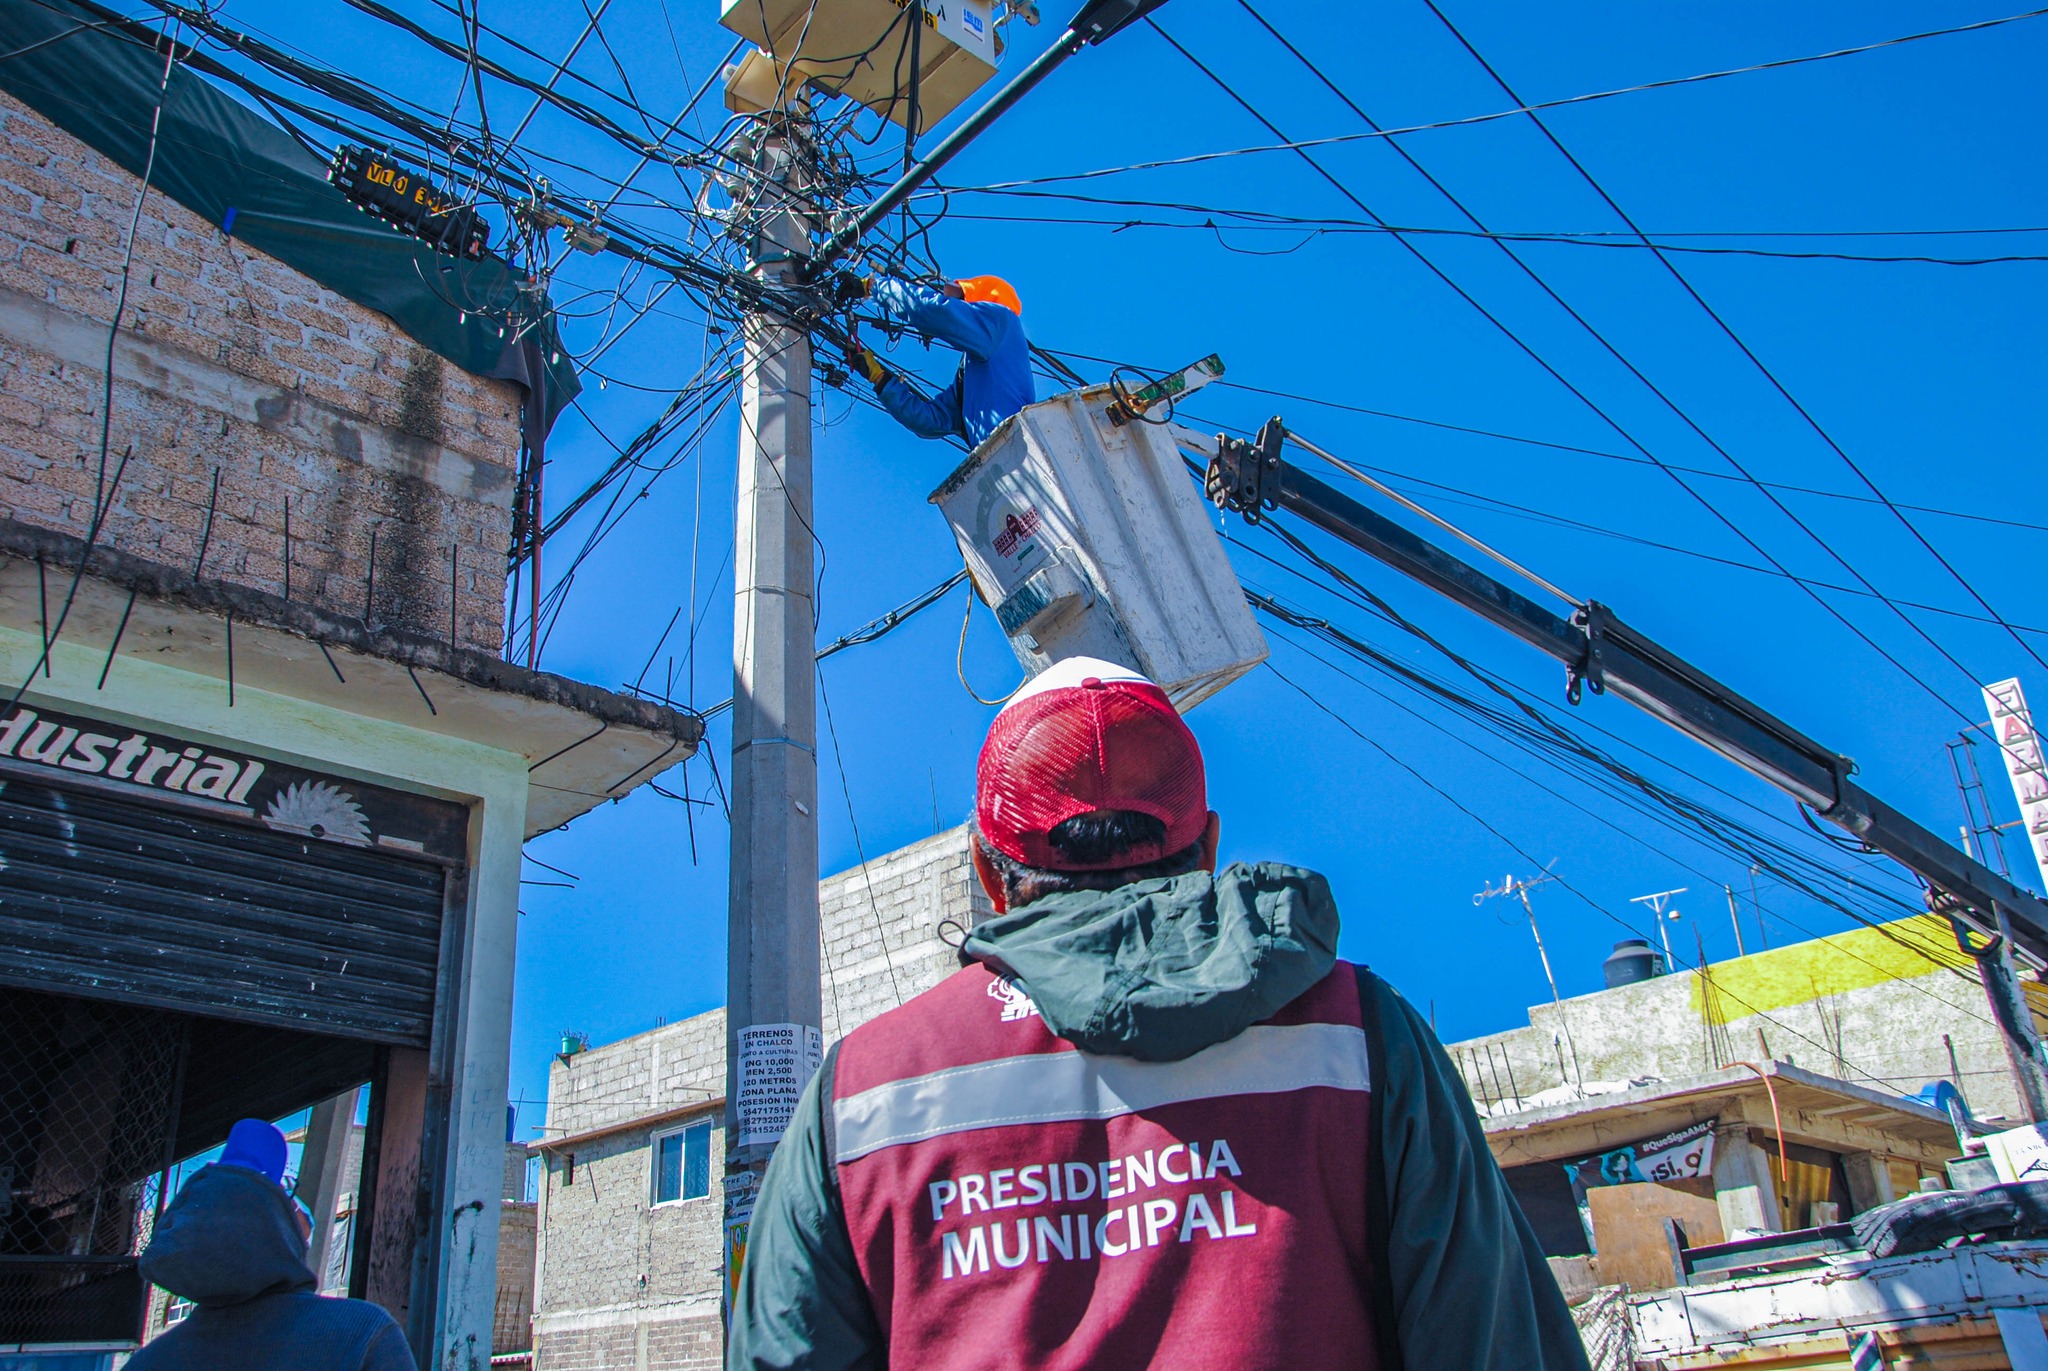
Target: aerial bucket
[{"x": 1089, "y": 538}]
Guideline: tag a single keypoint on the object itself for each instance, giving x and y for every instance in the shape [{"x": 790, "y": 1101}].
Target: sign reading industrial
[
  {"x": 2012, "y": 724},
  {"x": 69, "y": 749}
]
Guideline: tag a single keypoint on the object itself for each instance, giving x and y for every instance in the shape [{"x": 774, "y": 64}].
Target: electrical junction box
[
  {"x": 1089, "y": 539},
  {"x": 861, "y": 49}
]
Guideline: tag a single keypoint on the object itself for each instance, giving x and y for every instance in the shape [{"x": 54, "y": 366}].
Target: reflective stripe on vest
[
  {"x": 1054, "y": 1086},
  {"x": 1014, "y": 1202}
]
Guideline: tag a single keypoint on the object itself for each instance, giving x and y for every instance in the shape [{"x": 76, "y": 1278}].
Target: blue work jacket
[{"x": 994, "y": 381}]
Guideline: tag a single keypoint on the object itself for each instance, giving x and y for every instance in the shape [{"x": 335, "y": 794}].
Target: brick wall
[
  {"x": 626, "y": 1286},
  {"x": 229, "y": 362},
  {"x": 512, "y": 1319}
]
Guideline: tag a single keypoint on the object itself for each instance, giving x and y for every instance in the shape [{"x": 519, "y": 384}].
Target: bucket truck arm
[{"x": 1601, "y": 653}]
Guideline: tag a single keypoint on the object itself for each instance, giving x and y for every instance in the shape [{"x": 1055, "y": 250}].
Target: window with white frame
[{"x": 682, "y": 1164}]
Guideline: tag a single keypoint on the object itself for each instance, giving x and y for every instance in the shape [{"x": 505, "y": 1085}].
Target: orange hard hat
[{"x": 992, "y": 290}]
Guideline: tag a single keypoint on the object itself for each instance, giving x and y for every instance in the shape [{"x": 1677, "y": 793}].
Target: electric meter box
[
  {"x": 1090, "y": 540},
  {"x": 861, "y": 49}
]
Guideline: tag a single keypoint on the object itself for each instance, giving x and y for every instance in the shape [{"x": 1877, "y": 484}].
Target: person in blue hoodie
[
  {"x": 234, "y": 1243},
  {"x": 983, "y": 319}
]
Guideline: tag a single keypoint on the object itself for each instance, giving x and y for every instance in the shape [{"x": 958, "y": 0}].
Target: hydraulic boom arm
[{"x": 1603, "y": 654}]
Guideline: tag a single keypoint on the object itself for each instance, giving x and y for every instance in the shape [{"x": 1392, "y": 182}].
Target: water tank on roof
[
  {"x": 1088, "y": 538},
  {"x": 1632, "y": 961}
]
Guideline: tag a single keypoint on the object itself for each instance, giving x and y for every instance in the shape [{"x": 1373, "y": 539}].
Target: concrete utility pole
[
  {"x": 1734, "y": 922},
  {"x": 773, "y": 1013},
  {"x": 773, "y": 1010}
]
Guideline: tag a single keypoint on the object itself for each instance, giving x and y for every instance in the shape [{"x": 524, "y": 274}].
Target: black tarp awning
[{"x": 99, "y": 81}]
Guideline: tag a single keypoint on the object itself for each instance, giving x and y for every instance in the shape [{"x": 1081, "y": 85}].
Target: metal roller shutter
[{"x": 146, "y": 904}]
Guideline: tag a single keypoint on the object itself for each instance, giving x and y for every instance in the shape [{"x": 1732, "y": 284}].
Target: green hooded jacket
[{"x": 1160, "y": 970}]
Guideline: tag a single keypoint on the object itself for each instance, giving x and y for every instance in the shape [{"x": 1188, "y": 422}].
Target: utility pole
[
  {"x": 774, "y": 1014},
  {"x": 1983, "y": 838},
  {"x": 1763, "y": 934},
  {"x": 1511, "y": 886},
  {"x": 1734, "y": 922},
  {"x": 1657, "y": 903},
  {"x": 773, "y": 1011}
]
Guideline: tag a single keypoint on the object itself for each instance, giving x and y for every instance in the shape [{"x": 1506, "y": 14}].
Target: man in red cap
[{"x": 1152, "y": 1121}]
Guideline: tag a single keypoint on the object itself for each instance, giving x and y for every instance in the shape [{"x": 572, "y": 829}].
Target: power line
[
  {"x": 1555, "y": 745},
  {"x": 1228, "y": 384},
  {"x": 1741, "y": 346},
  {"x": 1933, "y": 953},
  {"x": 1311, "y": 229},
  {"x": 1559, "y": 376},
  {"x": 1333, "y": 140},
  {"x": 1473, "y": 499}
]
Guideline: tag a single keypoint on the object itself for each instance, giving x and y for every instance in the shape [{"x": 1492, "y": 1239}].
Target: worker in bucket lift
[
  {"x": 982, "y": 317},
  {"x": 1153, "y": 1121}
]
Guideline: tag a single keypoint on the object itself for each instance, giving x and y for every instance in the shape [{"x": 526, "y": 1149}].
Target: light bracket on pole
[{"x": 1098, "y": 21}]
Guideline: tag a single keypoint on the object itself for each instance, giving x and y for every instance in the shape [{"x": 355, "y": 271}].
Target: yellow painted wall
[
  {"x": 1908, "y": 948},
  {"x": 1764, "y": 981}
]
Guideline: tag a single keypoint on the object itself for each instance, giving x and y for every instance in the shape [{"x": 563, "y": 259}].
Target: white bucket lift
[{"x": 1090, "y": 539}]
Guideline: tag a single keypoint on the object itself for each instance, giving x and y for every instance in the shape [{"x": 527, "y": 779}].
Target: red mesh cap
[{"x": 1088, "y": 735}]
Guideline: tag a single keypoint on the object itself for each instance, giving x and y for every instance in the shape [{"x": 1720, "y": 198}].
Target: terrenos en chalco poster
[{"x": 1684, "y": 1155}]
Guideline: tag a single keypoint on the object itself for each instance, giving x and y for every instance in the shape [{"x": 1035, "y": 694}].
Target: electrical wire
[
  {"x": 1312, "y": 228},
  {"x": 1744, "y": 348},
  {"x": 1576, "y": 391},
  {"x": 1334, "y": 140}
]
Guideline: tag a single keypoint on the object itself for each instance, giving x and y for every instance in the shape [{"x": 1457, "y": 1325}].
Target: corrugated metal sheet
[
  {"x": 107, "y": 897},
  {"x": 1788, "y": 1318}
]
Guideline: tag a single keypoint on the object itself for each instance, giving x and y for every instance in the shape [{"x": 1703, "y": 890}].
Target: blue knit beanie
[{"x": 256, "y": 1146}]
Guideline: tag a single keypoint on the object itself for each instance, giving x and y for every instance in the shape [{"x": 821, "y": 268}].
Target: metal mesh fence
[{"x": 88, "y": 1099}]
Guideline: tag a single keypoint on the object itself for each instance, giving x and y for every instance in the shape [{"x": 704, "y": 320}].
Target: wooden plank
[{"x": 1628, "y": 1230}]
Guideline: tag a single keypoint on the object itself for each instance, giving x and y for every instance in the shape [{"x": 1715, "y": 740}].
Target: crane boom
[{"x": 1601, "y": 653}]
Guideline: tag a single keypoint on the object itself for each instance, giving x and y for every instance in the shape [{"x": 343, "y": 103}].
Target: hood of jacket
[
  {"x": 230, "y": 1236},
  {"x": 1160, "y": 969}
]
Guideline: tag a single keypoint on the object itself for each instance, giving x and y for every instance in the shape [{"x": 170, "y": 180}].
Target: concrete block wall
[
  {"x": 512, "y": 1320},
  {"x": 625, "y": 1285},
  {"x": 1870, "y": 1007},
  {"x": 621, "y": 1279},
  {"x": 890, "y": 927},
  {"x": 229, "y": 362},
  {"x": 667, "y": 1068}
]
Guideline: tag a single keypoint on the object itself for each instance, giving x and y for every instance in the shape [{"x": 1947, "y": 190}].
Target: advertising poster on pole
[
  {"x": 741, "y": 1185},
  {"x": 777, "y": 1060}
]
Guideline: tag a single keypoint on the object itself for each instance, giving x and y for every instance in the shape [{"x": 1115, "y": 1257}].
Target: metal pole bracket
[
  {"x": 1590, "y": 671},
  {"x": 1245, "y": 477}
]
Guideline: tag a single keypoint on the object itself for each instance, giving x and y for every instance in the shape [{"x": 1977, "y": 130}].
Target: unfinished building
[{"x": 264, "y": 776}]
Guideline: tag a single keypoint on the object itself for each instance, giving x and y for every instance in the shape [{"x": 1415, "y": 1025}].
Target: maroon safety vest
[{"x": 1015, "y": 1202}]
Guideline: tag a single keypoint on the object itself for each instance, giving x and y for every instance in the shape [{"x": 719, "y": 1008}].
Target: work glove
[
  {"x": 846, "y": 287},
  {"x": 867, "y": 364}
]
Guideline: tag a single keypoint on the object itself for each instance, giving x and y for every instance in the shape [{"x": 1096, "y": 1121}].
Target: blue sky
[{"x": 1928, "y": 376}]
